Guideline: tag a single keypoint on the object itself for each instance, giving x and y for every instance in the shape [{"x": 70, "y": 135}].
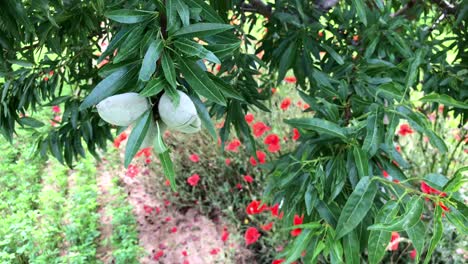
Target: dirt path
[{"x": 104, "y": 182}]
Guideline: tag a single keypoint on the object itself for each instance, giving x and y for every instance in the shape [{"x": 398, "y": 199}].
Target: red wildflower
[
  {"x": 193, "y": 180},
  {"x": 297, "y": 221},
  {"x": 267, "y": 227},
  {"x": 227, "y": 161},
  {"x": 167, "y": 183},
  {"x": 174, "y": 229},
  {"x": 320, "y": 34},
  {"x": 296, "y": 134},
  {"x": 184, "y": 253},
  {"x": 168, "y": 219},
  {"x": 277, "y": 261},
  {"x": 56, "y": 109},
  {"x": 215, "y": 251},
  {"x": 261, "y": 158},
  {"x": 285, "y": 103},
  {"x": 132, "y": 171},
  {"x": 239, "y": 186},
  {"x": 225, "y": 235},
  {"x": 394, "y": 242},
  {"x": 429, "y": 190},
  {"x": 248, "y": 178},
  {"x": 385, "y": 173},
  {"x": 233, "y": 145},
  {"x": 158, "y": 255},
  {"x": 251, "y": 235},
  {"x": 306, "y": 106},
  {"x": 271, "y": 139},
  {"x": 404, "y": 130},
  {"x": 145, "y": 151},
  {"x": 398, "y": 148},
  {"x": 256, "y": 207},
  {"x": 218, "y": 67},
  {"x": 259, "y": 128},
  {"x": 273, "y": 90},
  {"x": 275, "y": 210},
  {"x": 356, "y": 38},
  {"x": 46, "y": 78},
  {"x": 249, "y": 118},
  {"x": 413, "y": 254},
  {"x": 148, "y": 209},
  {"x": 194, "y": 158},
  {"x": 274, "y": 148},
  {"x": 290, "y": 79}
]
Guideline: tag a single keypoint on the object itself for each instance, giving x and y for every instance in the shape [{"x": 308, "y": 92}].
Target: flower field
[{"x": 99, "y": 212}]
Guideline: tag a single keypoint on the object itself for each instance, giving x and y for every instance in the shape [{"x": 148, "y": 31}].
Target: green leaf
[
  {"x": 107, "y": 87},
  {"x": 287, "y": 60},
  {"x": 371, "y": 48},
  {"x": 375, "y": 133},
  {"x": 131, "y": 44},
  {"x": 201, "y": 30},
  {"x": 31, "y": 122},
  {"x": 411, "y": 217},
  {"x": 158, "y": 143},
  {"x": 457, "y": 218},
  {"x": 457, "y": 180},
  {"x": 319, "y": 125},
  {"x": 200, "y": 82},
  {"x": 168, "y": 69},
  {"x": 437, "y": 233},
  {"x": 168, "y": 169},
  {"x": 351, "y": 248},
  {"x": 136, "y": 137},
  {"x": 207, "y": 11},
  {"x": 417, "y": 235},
  {"x": 226, "y": 88},
  {"x": 127, "y": 16},
  {"x": 413, "y": 68},
  {"x": 154, "y": 87},
  {"x": 333, "y": 53},
  {"x": 191, "y": 48},
  {"x": 361, "y": 10},
  {"x": 379, "y": 239},
  {"x": 299, "y": 244},
  {"x": 356, "y": 207},
  {"x": 443, "y": 99},
  {"x": 204, "y": 116},
  {"x": 183, "y": 11},
  {"x": 151, "y": 57},
  {"x": 362, "y": 162},
  {"x": 390, "y": 91}
]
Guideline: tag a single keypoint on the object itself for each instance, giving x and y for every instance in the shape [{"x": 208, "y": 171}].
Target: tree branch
[
  {"x": 448, "y": 7},
  {"x": 405, "y": 8},
  {"x": 257, "y": 6}
]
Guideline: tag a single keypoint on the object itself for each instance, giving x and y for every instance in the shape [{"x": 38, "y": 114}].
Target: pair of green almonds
[{"x": 124, "y": 109}]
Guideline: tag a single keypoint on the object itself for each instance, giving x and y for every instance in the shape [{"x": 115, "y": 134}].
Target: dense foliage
[{"x": 362, "y": 66}]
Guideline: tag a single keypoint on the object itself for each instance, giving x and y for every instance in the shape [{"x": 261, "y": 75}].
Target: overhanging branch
[{"x": 257, "y": 6}]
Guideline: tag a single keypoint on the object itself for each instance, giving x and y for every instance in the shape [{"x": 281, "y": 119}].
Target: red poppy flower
[
  {"x": 251, "y": 235},
  {"x": 297, "y": 221},
  {"x": 413, "y": 254},
  {"x": 193, "y": 180},
  {"x": 233, "y": 145},
  {"x": 405, "y": 129},
  {"x": 239, "y": 186},
  {"x": 167, "y": 183},
  {"x": 248, "y": 178},
  {"x": 194, "y": 158},
  {"x": 255, "y": 207},
  {"x": 168, "y": 219},
  {"x": 394, "y": 242},
  {"x": 215, "y": 251},
  {"x": 225, "y": 235},
  {"x": 275, "y": 210},
  {"x": 184, "y": 253},
  {"x": 259, "y": 128},
  {"x": 145, "y": 151},
  {"x": 261, "y": 158},
  {"x": 285, "y": 103},
  {"x": 227, "y": 161},
  {"x": 56, "y": 109},
  {"x": 158, "y": 255},
  {"x": 274, "y": 148},
  {"x": 174, "y": 229},
  {"x": 249, "y": 118},
  {"x": 271, "y": 139},
  {"x": 132, "y": 171},
  {"x": 148, "y": 209},
  {"x": 290, "y": 79},
  {"x": 305, "y": 106},
  {"x": 267, "y": 227},
  {"x": 296, "y": 134},
  {"x": 218, "y": 67},
  {"x": 385, "y": 173},
  {"x": 277, "y": 261}
]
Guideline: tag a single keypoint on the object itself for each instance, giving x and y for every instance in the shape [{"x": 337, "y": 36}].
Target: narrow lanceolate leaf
[
  {"x": 201, "y": 30},
  {"x": 168, "y": 69},
  {"x": 183, "y": 11},
  {"x": 299, "y": 244},
  {"x": 107, "y": 87},
  {"x": 437, "y": 234},
  {"x": 207, "y": 11},
  {"x": 356, "y": 207},
  {"x": 379, "y": 239},
  {"x": 204, "y": 116},
  {"x": 411, "y": 217},
  {"x": 374, "y": 134},
  {"x": 158, "y": 143},
  {"x": 413, "y": 69},
  {"x": 457, "y": 180},
  {"x": 200, "y": 82},
  {"x": 154, "y": 87},
  {"x": 445, "y": 100},
  {"x": 151, "y": 57},
  {"x": 459, "y": 219},
  {"x": 351, "y": 248},
  {"x": 31, "y": 122},
  {"x": 319, "y": 125},
  {"x": 127, "y": 16},
  {"x": 362, "y": 162},
  {"x": 287, "y": 60},
  {"x": 136, "y": 137},
  {"x": 361, "y": 10},
  {"x": 333, "y": 53},
  {"x": 191, "y": 48},
  {"x": 417, "y": 235},
  {"x": 168, "y": 168}
]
